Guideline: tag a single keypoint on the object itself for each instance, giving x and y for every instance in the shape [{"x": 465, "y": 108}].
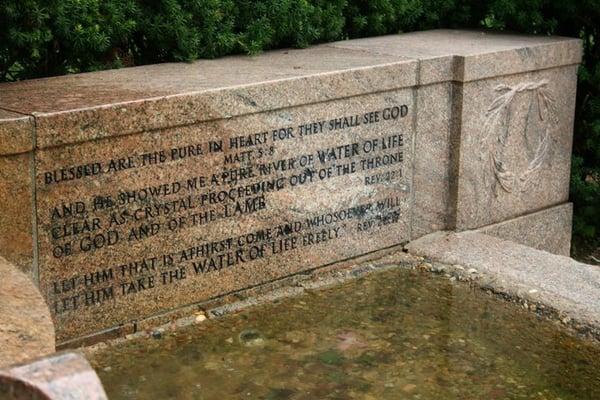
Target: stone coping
[
  {"x": 16, "y": 133},
  {"x": 78, "y": 108},
  {"x": 60, "y": 376},
  {"x": 26, "y": 329},
  {"x": 542, "y": 281},
  {"x": 548, "y": 229}
]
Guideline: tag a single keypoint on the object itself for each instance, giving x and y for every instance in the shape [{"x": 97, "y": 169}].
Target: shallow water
[{"x": 391, "y": 335}]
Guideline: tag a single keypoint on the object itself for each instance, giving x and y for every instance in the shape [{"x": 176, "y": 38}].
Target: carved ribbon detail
[{"x": 512, "y": 178}]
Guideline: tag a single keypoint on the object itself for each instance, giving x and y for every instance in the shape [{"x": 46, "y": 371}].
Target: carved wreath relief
[{"x": 516, "y": 138}]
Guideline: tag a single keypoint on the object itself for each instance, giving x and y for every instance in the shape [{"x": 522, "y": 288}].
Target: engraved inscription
[{"x": 177, "y": 216}]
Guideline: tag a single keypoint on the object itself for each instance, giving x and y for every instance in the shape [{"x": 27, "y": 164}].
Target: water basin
[{"x": 397, "y": 334}]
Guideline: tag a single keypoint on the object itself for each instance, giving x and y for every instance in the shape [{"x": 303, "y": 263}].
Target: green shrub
[
  {"x": 50, "y": 37},
  {"x": 43, "y": 38},
  {"x": 91, "y": 34},
  {"x": 24, "y": 36}
]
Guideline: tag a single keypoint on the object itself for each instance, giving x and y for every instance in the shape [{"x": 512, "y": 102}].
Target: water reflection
[{"x": 392, "y": 335}]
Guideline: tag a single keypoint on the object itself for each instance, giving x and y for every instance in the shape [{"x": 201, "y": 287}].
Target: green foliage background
[{"x": 51, "y": 37}]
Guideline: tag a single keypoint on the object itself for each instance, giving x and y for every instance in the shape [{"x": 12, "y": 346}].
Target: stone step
[{"x": 569, "y": 287}]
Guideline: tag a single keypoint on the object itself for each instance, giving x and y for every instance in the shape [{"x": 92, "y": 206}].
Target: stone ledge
[
  {"x": 463, "y": 56},
  {"x": 548, "y": 230},
  {"x": 16, "y": 133},
  {"x": 78, "y": 108},
  {"x": 26, "y": 329},
  {"x": 56, "y": 377},
  {"x": 568, "y": 289}
]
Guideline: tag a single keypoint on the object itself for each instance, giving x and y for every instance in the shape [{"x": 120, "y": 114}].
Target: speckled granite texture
[
  {"x": 515, "y": 146},
  {"x": 17, "y": 222},
  {"x": 16, "y": 132},
  {"x": 570, "y": 287},
  {"x": 61, "y": 376},
  {"x": 548, "y": 230},
  {"x": 154, "y": 188},
  {"x": 26, "y": 329}
]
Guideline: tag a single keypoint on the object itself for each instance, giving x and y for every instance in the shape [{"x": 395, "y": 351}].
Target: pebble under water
[{"x": 397, "y": 334}]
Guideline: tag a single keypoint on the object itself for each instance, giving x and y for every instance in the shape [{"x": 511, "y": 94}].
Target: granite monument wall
[{"x": 130, "y": 193}]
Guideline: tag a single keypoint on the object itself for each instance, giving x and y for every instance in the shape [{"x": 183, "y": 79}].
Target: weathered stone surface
[
  {"x": 482, "y": 62},
  {"x": 292, "y": 203},
  {"x": 163, "y": 186},
  {"x": 16, "y": 189},
  {"x": 548, "y": 230},
  {"x": 471, "y": 55},
  {"x": 119, "y": 102},
  {"x": 17, "y": 214},
  {"x": 62, "y": 376},
  {"x": 164, "y": 95},
  {"x": 515, "y": 146},
  {"x": 432, "y": 180},
  {"x": 560, "y": 282},
  {"x": 16, "y": 133},
  {"x": 26, "y": 329}
]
